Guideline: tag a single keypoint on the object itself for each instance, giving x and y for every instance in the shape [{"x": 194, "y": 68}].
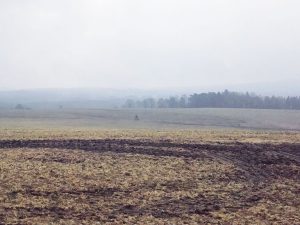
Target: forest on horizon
[{"x": 225, "y": 99}]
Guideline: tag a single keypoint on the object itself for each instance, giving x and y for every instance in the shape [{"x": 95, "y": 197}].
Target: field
[
  {"x": 153, "y": 118},
  {"x": 59, "y": 169}
]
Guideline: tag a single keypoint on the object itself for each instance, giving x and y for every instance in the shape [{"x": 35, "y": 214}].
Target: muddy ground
[
  {"x": 250, "y": 158},
  {"x": 240, "y": 179}
]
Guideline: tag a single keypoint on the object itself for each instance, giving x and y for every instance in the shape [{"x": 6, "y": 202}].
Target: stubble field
[{"x": 144, "y": 177}]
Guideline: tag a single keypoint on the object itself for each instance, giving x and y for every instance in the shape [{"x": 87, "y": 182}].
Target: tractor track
[
  {"x": 256, "y": 161},
  {"x": 256, "y": 165}
]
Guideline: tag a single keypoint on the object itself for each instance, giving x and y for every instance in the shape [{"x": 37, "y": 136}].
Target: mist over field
[
  {"x": 98, "y": 54},
  {"x": 149, "y": 112},
  {"x": 140, "y": 54},
  {"x": 201, "y": 45}
]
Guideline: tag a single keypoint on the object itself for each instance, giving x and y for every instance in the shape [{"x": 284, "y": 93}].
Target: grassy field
[
  {"x": 102, "y": 167},
  {"x": 153, "y": 118}
]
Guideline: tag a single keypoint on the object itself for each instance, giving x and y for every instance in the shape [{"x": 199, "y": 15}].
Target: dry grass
[
  {"x": 72, "y": 186},
  {"x": 60, "y": 186},
  {"x": 182, "y": 136}
]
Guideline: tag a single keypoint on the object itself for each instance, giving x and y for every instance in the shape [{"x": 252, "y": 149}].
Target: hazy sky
[{"x": 147, "y": 43}]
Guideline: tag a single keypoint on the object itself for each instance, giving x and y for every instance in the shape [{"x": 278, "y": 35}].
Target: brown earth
[
  {"x": 256, "y": 171},
  {"x": 251, "y": 158}
]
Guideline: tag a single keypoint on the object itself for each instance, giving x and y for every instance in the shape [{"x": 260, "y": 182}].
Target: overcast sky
[{"x": 147, "y": 43}]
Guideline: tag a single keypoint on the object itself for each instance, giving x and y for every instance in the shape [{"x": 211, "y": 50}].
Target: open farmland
[
  {"x": 149, "y": 112},
  {"x": 152, "y": 119},
  {"x": 186, "y": 166},
  {"x": 149, "y": 177}
]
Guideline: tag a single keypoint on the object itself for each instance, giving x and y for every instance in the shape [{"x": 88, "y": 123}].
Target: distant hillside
[
  {"x": 74, "y": 97},
  {"x": 112, "y": 98},
  {"x": 225, "y": 99}
]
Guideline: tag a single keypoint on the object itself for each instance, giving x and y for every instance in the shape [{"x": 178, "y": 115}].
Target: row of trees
[{"x": 224, "y": 99}]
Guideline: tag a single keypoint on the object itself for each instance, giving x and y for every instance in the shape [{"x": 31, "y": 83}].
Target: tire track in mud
[
  {"x": 253, "y": 159},
  {"x": 256, "y": 162}
]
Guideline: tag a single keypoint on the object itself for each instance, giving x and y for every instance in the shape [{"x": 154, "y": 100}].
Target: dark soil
[
  {"x": 256, "y": 164},
  {"x": 253, "y": 160}
]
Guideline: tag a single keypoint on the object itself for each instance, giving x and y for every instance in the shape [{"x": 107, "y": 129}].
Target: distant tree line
[{"x": 225, "y": 99}]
